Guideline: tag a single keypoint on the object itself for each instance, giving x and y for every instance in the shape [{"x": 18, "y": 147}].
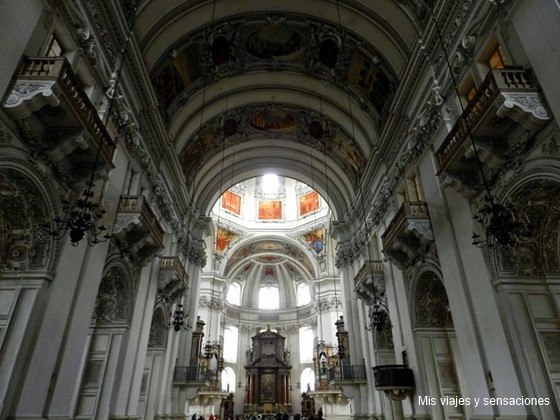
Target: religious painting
[
  {"x": 367, "y": 76},
  {"x": 177, "y": 73},
  {"x": 273, "y": 120},
  {"x": 315, "y": 240},
  {"x": 308, "y": 203},
  {"x": 231, "y": 202},
  {"x": 270, "y": 210},
  {"x": 224, "y": 238},
  {"x": 274, "y": 41},
  {"x": 347, "y": 151},
  {"x": 268, "y": 387}
]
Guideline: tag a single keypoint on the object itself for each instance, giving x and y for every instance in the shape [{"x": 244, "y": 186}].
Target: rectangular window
[
  {"x": 497, "y": 59},
  {"x": 54, "y": 49},
  {"x": 471, "y": 93}
]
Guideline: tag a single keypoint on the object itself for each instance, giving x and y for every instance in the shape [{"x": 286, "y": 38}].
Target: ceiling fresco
[
  {"x": 274, "y": 42},
  {"x": 281, "y": 124},
  {"x": 262, "y": 250}
]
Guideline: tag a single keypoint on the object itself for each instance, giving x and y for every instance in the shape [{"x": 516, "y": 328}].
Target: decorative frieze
[
  {"x": 196, "y": 253},
  {"x": 211, "y": 303}
]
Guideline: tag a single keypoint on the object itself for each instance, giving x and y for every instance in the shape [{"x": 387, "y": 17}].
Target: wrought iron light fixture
[
  {"x": 500, "y": 224},
  {"x": 178, "y": 319},
  {"x": 497, "y": 220},
  {"x": 82, "y": 217},
  {"x": 291, "y": 387},
  {"x": 212, "y": 349}
]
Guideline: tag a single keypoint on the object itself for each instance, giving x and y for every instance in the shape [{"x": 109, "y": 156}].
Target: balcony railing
[
  {"x": 408, "y": 234},
  {"x": 47, "y": 83},
  {"x": 507, "y": 97},
  {"x": 173, "y": 278},
  {"x": 137, "y": 229},
  {"x": 369, "y": 282},
  {"x": 194, "y": 374},
  {"x": 174, "y": 264},
  {"x": 137, "y": 204},
  {"x": 347, "y": 373},
  {"x": 397, "y": 381}
]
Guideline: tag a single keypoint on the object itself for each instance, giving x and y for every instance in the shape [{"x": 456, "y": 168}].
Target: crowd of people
[{"x": 278, "y": 416}]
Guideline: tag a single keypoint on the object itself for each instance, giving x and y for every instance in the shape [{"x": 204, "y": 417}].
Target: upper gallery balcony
[
  {"x": 173, "y": 279},
  {"x": 408, "y": 235},
  {"x": 137, "y": 229},
  {"x": 369, "y": 283},
  {"x": 56, "y": 117},
  {"x": 397, "y": 381},
  {"x": 506, "y": 111}
]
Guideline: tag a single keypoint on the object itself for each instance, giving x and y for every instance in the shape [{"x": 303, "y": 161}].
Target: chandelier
[
  {"x": 500, "y": 225},
  {"x": 178, "y": 320},
  {"x": 82, "y": 216}
]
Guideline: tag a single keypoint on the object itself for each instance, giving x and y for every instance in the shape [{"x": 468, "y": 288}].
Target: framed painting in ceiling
[
  {"x": 232, "y": 202},
  {"x": 270, "y": 210},
  {"x": 308, "y": 203}
]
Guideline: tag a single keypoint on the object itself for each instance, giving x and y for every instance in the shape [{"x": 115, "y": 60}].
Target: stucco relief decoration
[
  {"x": 537, "y": 254},
  {"x": 24, "y": 244},
  {"x": 431, "y": 306},
  {"x": 196, "y": 253},
  {"x": 324, "y": 304},
  {"x": 211, "y": 303},
  {"x": 158, "y": 329},
  {"x": 113, "y": 300}
]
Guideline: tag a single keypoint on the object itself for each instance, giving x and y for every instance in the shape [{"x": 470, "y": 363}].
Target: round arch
[
  {"x": 115, "y": 297},
  {"x": 27, "y": 204},
  {"x": 255, "y": 158},
  {"x": 429, "y": 301},
  {"x": 535, "y": 193}
]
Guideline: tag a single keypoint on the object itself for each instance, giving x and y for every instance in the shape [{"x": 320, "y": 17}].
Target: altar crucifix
[{"x": 268, "y": 374}]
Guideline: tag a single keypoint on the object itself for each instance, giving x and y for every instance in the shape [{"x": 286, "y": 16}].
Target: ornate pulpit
[{"x": 268, "y": 374}]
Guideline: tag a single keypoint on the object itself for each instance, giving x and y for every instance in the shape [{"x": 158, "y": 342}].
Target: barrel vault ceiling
[{"x": 298, "y": 87}]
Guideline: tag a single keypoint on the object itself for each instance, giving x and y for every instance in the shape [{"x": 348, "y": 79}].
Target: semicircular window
[
  {"x": 328, "y": 53},
  {"x": 271, "y": 41},
  {"x": 221, "y": 50},
  {"x": 275, "y": 120}
]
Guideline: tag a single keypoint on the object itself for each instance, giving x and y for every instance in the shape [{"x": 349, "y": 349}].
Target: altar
[{"x": 268, "y": 375}]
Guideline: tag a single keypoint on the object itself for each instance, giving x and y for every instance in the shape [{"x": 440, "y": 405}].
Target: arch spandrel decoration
[
  {"x": 114, "y": 299},
  {"x": 24, "y": 243},
  {"x": 431, "y": 305},
  {"x": 538, "y": 203}
]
